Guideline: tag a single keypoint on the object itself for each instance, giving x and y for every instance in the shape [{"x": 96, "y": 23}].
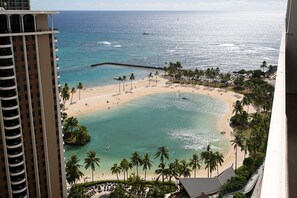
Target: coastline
[{"x": 105, "y": 97}]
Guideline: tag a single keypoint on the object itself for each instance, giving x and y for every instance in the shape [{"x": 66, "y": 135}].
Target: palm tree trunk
[
  {"x": 131, "y": 84},
  {"x": 78, "y": 94},
  {"x": 145, "y": 175},
  {"x": 137, "y": 170},
  {"x": 123, "y": 86},
  {"x": 118, "y": 177},
  {"x": 195, "y": 172},
  {"x": 162, "y": 182},
  {"x": 71, "y": 98},
  {"x": 119, "y": 86},
  {"x": 236, "y": 158},
  {"x": 92, "y": 175}
]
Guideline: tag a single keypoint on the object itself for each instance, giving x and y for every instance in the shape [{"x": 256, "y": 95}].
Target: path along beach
[{"x": 108, "y": 97}]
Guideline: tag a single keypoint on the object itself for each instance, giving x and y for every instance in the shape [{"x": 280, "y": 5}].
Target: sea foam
[
  {"x": 194, "y": 139},
  {"x": 227, "y": 45},
  {"x": 104, "y": 42}
]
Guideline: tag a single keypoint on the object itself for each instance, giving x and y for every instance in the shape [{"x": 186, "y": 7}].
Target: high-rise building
[
  {"x": 31, "y": 145},
  {"x": 15, "y": 4}
]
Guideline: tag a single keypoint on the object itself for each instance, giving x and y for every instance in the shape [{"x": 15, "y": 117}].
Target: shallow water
[{"x": 185, "y": 126}]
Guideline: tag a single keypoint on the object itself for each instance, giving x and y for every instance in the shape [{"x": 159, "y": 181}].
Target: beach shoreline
[{"x": 107, "y": 97}]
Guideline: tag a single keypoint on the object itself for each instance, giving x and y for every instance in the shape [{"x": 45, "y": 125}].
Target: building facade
[
  {"x": 31, "y": 145},
  {"x": 15, "y": 4}
]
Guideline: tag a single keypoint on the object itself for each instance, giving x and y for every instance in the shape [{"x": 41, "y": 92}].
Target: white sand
[{"x": 95, "y": 99}]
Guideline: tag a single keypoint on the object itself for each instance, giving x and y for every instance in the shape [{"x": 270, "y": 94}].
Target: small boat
[
  {"x": 145, "y": 33},
  {"x": 184, "y": 98},
  {"x": 107, "y": 148}
]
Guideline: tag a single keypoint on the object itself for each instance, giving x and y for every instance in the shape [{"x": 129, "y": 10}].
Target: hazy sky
[{"x": 159, "y": 4}]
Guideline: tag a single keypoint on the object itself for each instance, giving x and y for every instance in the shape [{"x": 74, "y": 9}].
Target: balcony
[
  {"x": 17, "y": 172},
  {"x": 19, "y": 181},
  {"x": 4, "y": 51},
  {"x": 7, "y": 84},
  {"x": 17, "y": 154},
  {"x": 15, "y": 160},
  {"x": 280, "y": 173},
  {"x": 18, "y": 188},
  {"x": 7, "y": 93},
  {"x": 5, "y": 41},
  {"x": 14, "y": 152},
  {"x": 9, "y": 105},
  {"x": 5, "y": 45},
  {"x": 10, "y": 113},
  {"x": 16, "y": 164}
]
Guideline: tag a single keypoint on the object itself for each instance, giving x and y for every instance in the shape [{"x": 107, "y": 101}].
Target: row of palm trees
[
  {"x": 73, "y": 172},
  {"x": 65, "y": 92},
  {"x": 123, "y": 79},
  {"x": 211, "y": 159},
  {"x": 252, "y": 132}
]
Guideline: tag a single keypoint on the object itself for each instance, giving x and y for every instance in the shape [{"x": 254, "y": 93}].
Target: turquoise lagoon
[{"x": 185, "y": 126}]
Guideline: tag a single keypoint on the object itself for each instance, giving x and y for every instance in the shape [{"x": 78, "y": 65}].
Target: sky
[{"x": 203, "y": 5}]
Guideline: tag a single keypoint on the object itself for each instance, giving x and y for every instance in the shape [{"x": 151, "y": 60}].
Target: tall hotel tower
[{"x": 31, "y": 145}]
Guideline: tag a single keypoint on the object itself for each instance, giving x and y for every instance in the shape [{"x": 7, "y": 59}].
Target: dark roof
[
  {"x": 196, "y": 186},
  {"x": 226, "y": 175}
]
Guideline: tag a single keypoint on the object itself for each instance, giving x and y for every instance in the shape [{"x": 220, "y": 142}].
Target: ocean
[{"x": 228, "y": 40}]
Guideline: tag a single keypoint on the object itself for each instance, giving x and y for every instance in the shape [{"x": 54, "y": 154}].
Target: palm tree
[
  {"x": 65, "y": 94},
  {"x": 132, "y": 77},
  {"x": 206, "y": 157},
  {"x": 165, "y": 70},
  {"x": 73, "y": 90},
  {"x": 263, "y": 65},
  {"x": 149, "y": 77},
  {"x": 92, "y": 161},
  {"x": 184, "y": 168},
  {"x": 115, "y": 169},
  {"x": 162, "y": 152},
  {"x": 120, "y": 80},
  {"x": 246, "y": 101},
  {"x": 124, "y": 79},
  {"x": 157, "y": 74},
  {"x": 72, "y": 170},
  {"x": 136, "y": 161},
  {"x": 219, "y": 159},
  {"x": 125, "y": 166},
  {"x": 146, "y": 163},
  {"x": 237, "y": 107},
  {"x": 171, "y": 171},
  {"x": 71, "y": 124},
  {"x": 161, "y": 171},
  {"x": 195, "y": 163},
  {"x": 238, "y": 141},
  {"x": 79, "y": 87},
  {"x": 82, "y": 134}
]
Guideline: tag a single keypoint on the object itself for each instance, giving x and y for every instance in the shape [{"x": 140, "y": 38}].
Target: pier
[{"x": 127, "y": 65}]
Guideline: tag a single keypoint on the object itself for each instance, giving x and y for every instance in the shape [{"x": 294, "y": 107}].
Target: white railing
[{"x": 275, "y": 179}]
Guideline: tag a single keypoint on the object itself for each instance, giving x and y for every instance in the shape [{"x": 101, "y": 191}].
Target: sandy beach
[{"x": 108, "y": 97}]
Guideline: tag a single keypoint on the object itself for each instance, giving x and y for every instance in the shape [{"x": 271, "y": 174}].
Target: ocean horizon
[{"x": 198, "y": 39}]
